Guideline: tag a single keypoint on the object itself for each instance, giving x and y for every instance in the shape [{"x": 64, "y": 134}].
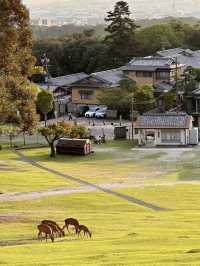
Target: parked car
[
  {"x": 91, "y": 113},
  {"x": 82, "y": 110},
  {"x": 101, "y": 114}
]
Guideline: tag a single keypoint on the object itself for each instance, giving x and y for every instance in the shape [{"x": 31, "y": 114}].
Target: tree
[
  {"x": 45, "y": 103},
  {"x": 54, "y": 132},
  {"x": 16, "y": 39},
  {"x": 79, "y": 132},
  {"x": 120, "y": 99},
  {"x": 143, "y": 99},
  {"x": 121, "y": 34},
  {"x": 28, "y": 119},
  {"x": 16, "y": 95}
]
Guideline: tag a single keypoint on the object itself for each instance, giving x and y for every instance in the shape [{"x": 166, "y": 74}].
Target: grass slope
[{"x": 123, "y": 233}]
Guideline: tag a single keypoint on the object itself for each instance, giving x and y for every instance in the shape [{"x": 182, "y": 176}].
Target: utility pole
[
  {"x": 176, "y": 80},
  {"x": 132, "y": 122}
]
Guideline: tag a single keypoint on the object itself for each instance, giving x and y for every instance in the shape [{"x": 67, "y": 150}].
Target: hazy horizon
[{"x": 140, "y": 8}]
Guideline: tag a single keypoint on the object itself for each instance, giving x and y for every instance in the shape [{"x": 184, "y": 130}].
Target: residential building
[
  {"x": 186, "y": 57},
  {"x": 61, "y": 88},
  {"x": 152, "y": 70},
  {"x": 166, "y": 129},
  {"x": 88, "y": 90},
  {"x": 192, "y": 101}
]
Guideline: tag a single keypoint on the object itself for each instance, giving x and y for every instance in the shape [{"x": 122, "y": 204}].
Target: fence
[{"x": 19, "y": 140}]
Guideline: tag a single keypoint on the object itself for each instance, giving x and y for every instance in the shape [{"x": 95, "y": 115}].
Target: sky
[{"x": 141, "y": 8}]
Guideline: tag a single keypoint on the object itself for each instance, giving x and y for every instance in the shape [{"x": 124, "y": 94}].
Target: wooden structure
[
  {"x": 73, "y": 146},
  {"x": 120, "y": 132},
  {"x": 166, "y": 129}
]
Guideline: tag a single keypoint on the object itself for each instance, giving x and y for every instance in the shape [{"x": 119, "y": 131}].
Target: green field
[{"x": 123, "y": 233}]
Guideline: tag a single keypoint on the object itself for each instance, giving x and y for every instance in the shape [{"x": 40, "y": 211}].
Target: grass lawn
[
  {"x": 123, "y": 233},
  {"x": 19, "y": 176}
]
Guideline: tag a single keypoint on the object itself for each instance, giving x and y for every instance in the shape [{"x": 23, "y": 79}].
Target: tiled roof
[
  {"x": 112, "y": 76},
  {"x": 170, "y": 52},
  {"x": 186, "y": 57},
  {"x": 167, "y": 120},
  {"x": 67, "y": 80},
  {"x": 149, "y": 63},
  {"x": 164, "y": 86}
]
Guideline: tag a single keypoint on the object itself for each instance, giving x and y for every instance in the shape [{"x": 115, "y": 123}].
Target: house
[
  {"x": 153, "y": 70},
  {"x": 186, "y": 57},
  {"x": 61, "y": 88},
  {"x": 87, "y": 91},
  {"x": 165, "y": 129},
  {"x": 192, "y": 104}
]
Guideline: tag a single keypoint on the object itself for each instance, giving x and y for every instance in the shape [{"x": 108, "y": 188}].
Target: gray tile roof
[
  {"x": 186, "y": 57},
  {"x": 149, "y": 63},
  {"x": 166, "y": 120},
  {"x": 164, "y": 86},
  {"x": 67, "y": 80},
  {"x": 112, "y": 76}
]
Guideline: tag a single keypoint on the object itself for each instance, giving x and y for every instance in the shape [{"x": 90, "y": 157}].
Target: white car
[
  {"x": 91, "y": 113},
  {"x": 100, "y": 114}
]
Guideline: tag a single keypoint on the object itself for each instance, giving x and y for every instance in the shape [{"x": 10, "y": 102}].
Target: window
[
  {"x": 144, "y": 74},
  {"x": 86, "y": 94},
  {"x": 162, "y": 75},
  {"x": 171, "y": 136}
]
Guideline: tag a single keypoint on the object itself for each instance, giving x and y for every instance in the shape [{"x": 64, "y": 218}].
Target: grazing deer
[
  {"x": 84, "y": 229},
  {"x": 55, "y": 227},
  {"x": 46, "y": 229},
  {"x": 71, "y": 221}
]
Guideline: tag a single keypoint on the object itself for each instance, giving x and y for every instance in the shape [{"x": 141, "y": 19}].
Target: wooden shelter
[{"x": 73, "y": 146}]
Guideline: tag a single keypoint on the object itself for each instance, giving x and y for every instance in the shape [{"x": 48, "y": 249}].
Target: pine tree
[
  {"x": 121, "y": 34},
  {"x": 16, "y": 39}
]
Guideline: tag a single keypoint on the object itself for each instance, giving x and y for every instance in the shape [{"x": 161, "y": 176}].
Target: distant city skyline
[{"x": 94, "y": 11}]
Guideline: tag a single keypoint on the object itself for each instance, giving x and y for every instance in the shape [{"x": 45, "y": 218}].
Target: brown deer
[
  {"x": 46, "y": 229},
  {"x": 71, "y": 221},
  {"x": 84, "y": 229},
  {"x": 57, "y": 230}
]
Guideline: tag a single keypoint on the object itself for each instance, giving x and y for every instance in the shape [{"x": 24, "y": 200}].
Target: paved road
[{"x": 94, "y": 186}]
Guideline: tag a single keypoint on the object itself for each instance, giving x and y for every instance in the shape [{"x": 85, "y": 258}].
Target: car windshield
[{"x": 93, "y": 109}]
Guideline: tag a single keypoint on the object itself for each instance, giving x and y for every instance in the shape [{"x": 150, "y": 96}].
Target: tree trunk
[
  {"x": 45, "y": 120},
  {"x": 24, "y": 139},
  {"x": 53, "y": 152}
]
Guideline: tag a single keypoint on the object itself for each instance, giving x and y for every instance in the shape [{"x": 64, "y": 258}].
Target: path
[
  {"x": 20, "y": 196},
  {"x": 94, "y": 186}
]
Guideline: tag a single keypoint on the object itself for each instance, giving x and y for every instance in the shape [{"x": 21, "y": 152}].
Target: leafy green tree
[
  {"x": 79, "y": 132},
  {"x": 121, "y": 34},
  {"x": 169, "y": 100},
  {"x": 143, "y": 99},
  {"x": 157, "y": 37},
  {"x": 28, "y": 120},
  {"x": 16, "y": 39},
  {"x": 120, "y": 99},
  {"x": 54, "y": 132},
  {"x": 16, "y": 95},
  {"x": 45, "y": 103}
]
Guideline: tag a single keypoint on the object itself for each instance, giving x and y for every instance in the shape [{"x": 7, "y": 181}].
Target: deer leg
[{"x": 68, "y": 229}]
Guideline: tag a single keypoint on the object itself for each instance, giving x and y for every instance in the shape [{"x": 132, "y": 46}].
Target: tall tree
[
  {"x": 16, "y": 39},
  {"x": 121, "y": 34},
  {"x": 45, "y": 103}
]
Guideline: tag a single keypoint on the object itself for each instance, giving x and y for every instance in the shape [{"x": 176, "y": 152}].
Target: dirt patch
[
  {"x": 193, "y": 251},
  {"x": 12, "y": 218},
  {"x": 5, "y": 243}
]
